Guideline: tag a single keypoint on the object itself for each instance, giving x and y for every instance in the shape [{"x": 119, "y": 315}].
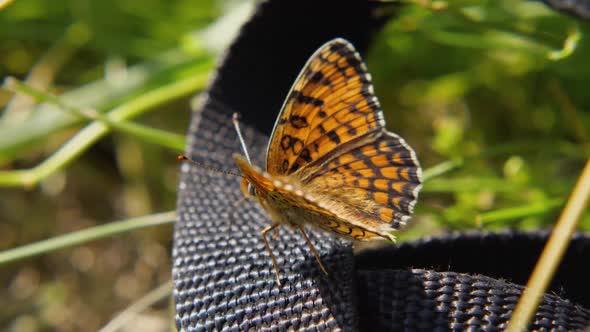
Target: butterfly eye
[{"x": 251, "y": 190}]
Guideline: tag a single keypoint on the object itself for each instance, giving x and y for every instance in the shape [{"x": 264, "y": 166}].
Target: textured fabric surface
[
  {"x": 468, "y": 282},
  {"x": 507, "y": 255},
  {"x": 223, "y": 276},
  {"x": 576, "y": 8},
  {"x": 423, "y": 300}
]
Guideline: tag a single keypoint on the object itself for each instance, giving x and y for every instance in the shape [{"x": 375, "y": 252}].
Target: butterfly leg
[
  {"x": 272, "y": 256},
  {"x": 240, "y": 201},
  {"x": 315, "y": 254},
  {"x": 276, "y": 234}
]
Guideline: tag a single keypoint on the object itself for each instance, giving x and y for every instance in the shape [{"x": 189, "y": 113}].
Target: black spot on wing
[
  {"x": 337, "y": 48},
  {"x": 286, "y": 142},
  {"x": 290, "y": 142},
  {"x": 303, "y": 99},
  {"x": 354, "y": 110},
  {"x": 298, "y": 121},
  {"x": 333, "y": 137},
  {"x": 318, "y": 77},
  {"x": 305, "y": 155}
]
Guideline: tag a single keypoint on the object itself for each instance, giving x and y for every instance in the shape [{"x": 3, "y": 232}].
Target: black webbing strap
[
  {"x": 223, "y": 276},
  {"x": 469, "y": 282}
]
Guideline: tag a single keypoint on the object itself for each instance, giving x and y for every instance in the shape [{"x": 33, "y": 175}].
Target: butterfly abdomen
[{"x": 297, "y": 210}]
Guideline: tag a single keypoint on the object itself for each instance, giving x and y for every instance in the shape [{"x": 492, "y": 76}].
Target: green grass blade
[
  {"x": 535, "y": 208},
  {"x": 440, "y": 169},
  {"x": 147, "y": 134},
  {"x": 83, "y": 236},
  {"x": 102, "y": 95},
  {"x": 94, "y": 131}
]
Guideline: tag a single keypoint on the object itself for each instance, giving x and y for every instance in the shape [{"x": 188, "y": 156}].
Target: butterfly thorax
[{"x": 278, "y": 195}]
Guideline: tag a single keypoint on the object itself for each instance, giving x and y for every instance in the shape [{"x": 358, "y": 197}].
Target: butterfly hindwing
[
  {"x": 331, "y": 103},
  {"x": 377, "y": 182}
]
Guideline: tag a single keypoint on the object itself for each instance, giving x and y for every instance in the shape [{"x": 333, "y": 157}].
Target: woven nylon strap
[{"x": 223, "y": 276}]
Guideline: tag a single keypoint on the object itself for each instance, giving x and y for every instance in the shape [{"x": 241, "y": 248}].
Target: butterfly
[{"x": 330, "y": 162}]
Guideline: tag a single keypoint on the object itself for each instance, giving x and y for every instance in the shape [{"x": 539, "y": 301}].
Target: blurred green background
[{"x": 493, "y": 95}]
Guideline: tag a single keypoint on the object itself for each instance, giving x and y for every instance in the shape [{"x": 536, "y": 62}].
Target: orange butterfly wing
[
  {"x": 376, "y": 182},
  {"x": 331, "y": 103},
  {"x": 330, "y": 141}
]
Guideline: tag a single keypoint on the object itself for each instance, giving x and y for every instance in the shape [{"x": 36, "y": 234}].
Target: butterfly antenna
[
  {"x": 182, "y": 157},
  {"x": 240, "y": 137}
]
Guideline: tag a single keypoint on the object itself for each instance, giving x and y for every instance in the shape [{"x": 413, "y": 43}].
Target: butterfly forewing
[{"x": 331, "y": 103}]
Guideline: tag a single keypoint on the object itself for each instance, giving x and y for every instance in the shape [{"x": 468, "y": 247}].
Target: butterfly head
[{"x": 255, "y": 183}]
